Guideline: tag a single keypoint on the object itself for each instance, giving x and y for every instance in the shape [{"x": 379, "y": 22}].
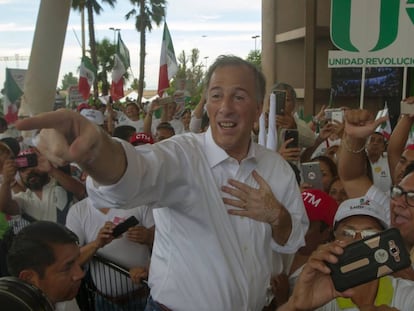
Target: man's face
[
  {"x": 376, "y": 145},
  {"x": 132, "y": 111},
  {"x": 406, "y": 158},
  {"x": 62, "y": 279},
  {"x": 402, "y": 215},
  {"x": 33, "y": 178},
  {"x": 232, "y": 108}
]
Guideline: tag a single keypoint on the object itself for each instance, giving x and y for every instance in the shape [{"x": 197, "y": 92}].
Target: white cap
[
  {"x": 93, "y": 115},
  {"x": 362, "y": 206}
]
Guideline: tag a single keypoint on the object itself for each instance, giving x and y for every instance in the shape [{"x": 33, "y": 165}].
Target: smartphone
[
  {"x": 311, "y": 173},
  {"x": 291, "y": 133},
  {"x": 26, "y": 160},
  {"x": 337, "y": 115},
  {"x": 406, "y": 108},
  {"x": 333, "y": 114},
  {"x": 280, "y": 98},
  {"x": 124, "y": 226},
  {"x": 369, "y": 259}
]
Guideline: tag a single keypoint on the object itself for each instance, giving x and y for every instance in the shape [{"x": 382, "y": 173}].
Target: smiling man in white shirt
[{"x": 230, "y": 201}]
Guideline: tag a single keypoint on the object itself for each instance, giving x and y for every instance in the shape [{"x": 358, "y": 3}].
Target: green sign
[{"x": 372, "y": 33}]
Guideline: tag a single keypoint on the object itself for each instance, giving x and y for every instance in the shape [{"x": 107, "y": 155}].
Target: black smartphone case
[
  {"x": 280, "y": 102},
  {"x": 292, "y": 134},
  {"x": 369, "y": 259},
  {"x": 124, "y": 226}
]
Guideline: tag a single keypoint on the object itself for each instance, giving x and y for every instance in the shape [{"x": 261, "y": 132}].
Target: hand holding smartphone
[
  {"x": 311, "y": 173},
  {"x": 124, "y": 226},
  {"x": 370, "y": 258},
  {"x": 406, "y": 108},
  {"x": 26, "y": 160},
  {"x": 291, "y": 133}
]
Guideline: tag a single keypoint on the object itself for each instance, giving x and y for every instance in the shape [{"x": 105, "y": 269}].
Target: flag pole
[
  {"x": 361, "y": 99},
  {"x": 404, "y": 88}
]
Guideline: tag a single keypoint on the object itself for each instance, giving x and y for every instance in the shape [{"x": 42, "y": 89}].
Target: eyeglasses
[
  {"x": 397, "y": 192},
  {"x": 351, "y": 233}
]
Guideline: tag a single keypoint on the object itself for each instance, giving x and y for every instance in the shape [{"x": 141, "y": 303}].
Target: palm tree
[
  {"x": 105, "y": 51},
  {"x": 92, "y": 6},
  {"x": 147, "y": 12}
]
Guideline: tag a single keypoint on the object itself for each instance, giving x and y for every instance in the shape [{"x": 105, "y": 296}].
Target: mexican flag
[
  {"x": 121, "y": 64},
  {"x": 87, "y": 74},
  {"x": 13, "y": 90},
  {"x": 168, "y": 62},
  {"x": 385, "y": 127}
]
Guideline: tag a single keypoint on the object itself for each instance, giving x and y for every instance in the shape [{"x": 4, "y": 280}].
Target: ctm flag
[
  {"x": 168, "y": 62},
  {"x": 87, "y": 73},
  {"x": 13, "y": 90},
  {"x": 121, "y": 65}
]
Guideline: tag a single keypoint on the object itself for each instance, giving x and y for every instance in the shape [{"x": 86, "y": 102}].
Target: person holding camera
[
  {"x": 354, "y": 220},
  {"x": 95, "y": 226},
  {"x": 49, "y": 191}
]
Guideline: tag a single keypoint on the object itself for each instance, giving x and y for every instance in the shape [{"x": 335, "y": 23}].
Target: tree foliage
[
  {"x": 92, "y": 7},
  {"x": 255, "y": 57},
  {"x": 192, "y": 70},
  {"x": 68, "y": 80},
  {"x": 145, "y": 12}
]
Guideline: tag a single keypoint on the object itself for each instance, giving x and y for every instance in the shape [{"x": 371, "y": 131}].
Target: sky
[{"x": 215, "y": 27}]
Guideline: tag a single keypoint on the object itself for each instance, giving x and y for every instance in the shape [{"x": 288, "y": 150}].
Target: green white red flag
[
  {"x": 121, "y": 64},
  {"x": 87, "y": 73},
  {"x": 13, "y": 90},
  {"x": 385, "y": 127},
  {"x": 168, "y": 62}
]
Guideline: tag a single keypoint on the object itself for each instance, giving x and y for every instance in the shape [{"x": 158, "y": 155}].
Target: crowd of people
[{"x": 223, "y": 222}]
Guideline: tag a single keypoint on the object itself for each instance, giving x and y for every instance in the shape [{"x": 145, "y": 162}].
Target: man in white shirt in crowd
[
  {"x": 227, "y": 205},
  {"x": 94, "y": 226},
  {"x": 379, "y": 161}
]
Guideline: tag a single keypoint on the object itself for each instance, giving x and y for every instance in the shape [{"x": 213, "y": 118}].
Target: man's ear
[{"x": 29, "y": 276}]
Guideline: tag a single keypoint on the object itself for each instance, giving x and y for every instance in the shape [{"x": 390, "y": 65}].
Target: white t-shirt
[
  {"x": 86, "y": 221},
  {"x": 381, "y": 174},
  {"x": 201, "y": 254},
  {"x": 138, "y": 124},
  {"x": 54, "y": 199}
]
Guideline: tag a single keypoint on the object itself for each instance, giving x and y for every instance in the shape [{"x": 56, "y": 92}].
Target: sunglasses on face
[{"x": 351, "y": 233}]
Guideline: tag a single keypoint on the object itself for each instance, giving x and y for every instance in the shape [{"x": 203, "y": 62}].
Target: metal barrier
[{"x": 108, "y": 287}]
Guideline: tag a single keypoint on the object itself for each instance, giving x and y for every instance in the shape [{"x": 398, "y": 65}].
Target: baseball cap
[
  {"x": 319, "y": 206},
  {"x": 93, "y": 115},
  {"x": 362, "y": 207},
  {"x": 141, "y": 138}
]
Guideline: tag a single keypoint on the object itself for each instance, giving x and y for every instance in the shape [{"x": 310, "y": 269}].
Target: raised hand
[
  {"x": 360, "y": 123},
  {"x": 66, "y": 137}
]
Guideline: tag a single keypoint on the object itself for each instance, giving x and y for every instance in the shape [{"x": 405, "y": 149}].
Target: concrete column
[
  {"x": 45, "y": 57},
  {"x": 268, "y": 45}
]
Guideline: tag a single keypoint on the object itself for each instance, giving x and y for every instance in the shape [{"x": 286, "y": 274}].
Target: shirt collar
[
  {"x": 384, "y": 296},
  {"x": 215, "y": 154}
]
